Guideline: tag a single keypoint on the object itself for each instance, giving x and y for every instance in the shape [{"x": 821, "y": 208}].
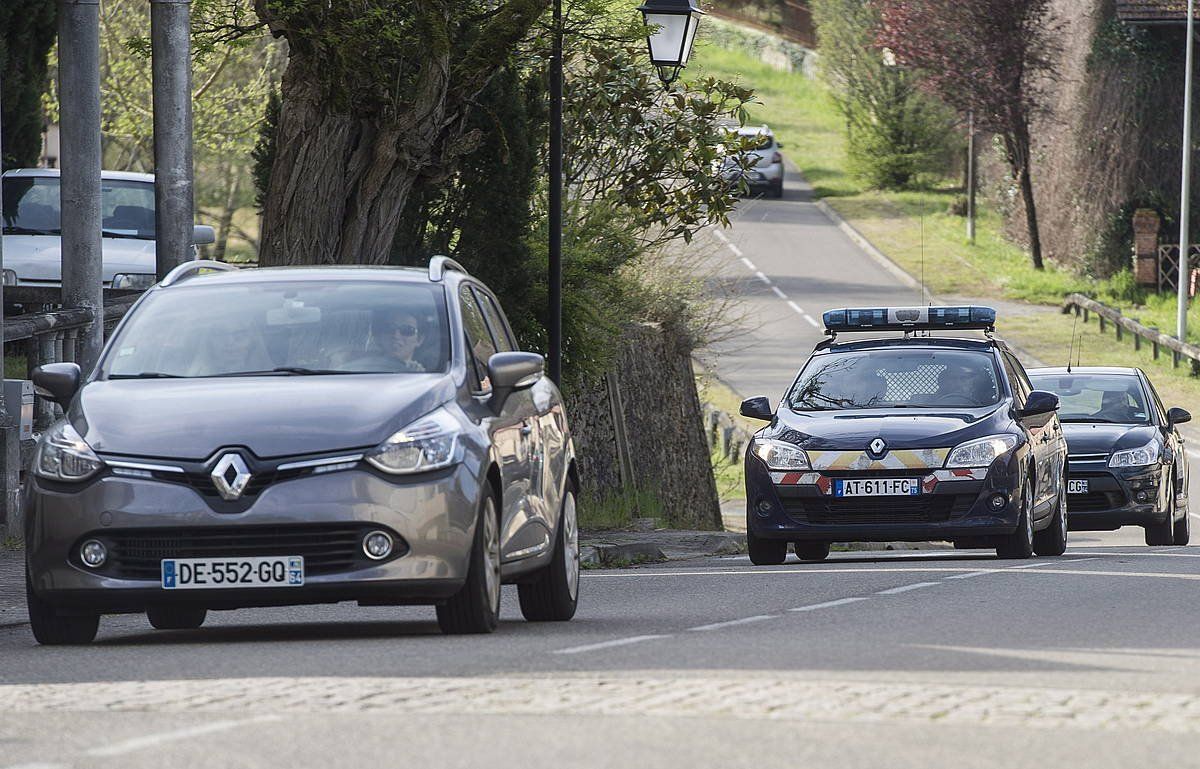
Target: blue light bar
[{"x": 908, "y": 319}]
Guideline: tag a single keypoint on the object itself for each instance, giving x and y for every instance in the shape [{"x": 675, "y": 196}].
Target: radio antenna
[
  {"x": 924, "y": 293},
  {"x": 1071, "y": 346}
]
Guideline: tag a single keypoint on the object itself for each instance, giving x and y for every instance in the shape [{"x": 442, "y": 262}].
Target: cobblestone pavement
[
  {"x": 671, "y": 697},
  {"x": 12, "y": 587}
]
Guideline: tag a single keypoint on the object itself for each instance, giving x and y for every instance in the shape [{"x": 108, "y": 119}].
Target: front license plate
[
  {"x": 1077, "y": 487},
  {"x": 208, "y": 573},
  {"x": 876, "y": 487}
]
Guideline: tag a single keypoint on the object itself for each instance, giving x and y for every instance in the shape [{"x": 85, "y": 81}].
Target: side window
[
  {"x": 1158, "y": 406},
  {"x": 480, "y": 346},
  {"x": 495, "y": 321},
  {"x": 1017, "y": 380}
]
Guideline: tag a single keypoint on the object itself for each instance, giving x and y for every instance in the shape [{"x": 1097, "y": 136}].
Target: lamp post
[
  {"x": 670, "y": 32},
  {"x": 1184, "y": 273}
]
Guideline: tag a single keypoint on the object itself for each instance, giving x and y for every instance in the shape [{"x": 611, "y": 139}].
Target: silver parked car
[
  {"x": 762, "y": 168},
  {"x": 303, "y": 435},
  {"x": 33, "y": 229}
]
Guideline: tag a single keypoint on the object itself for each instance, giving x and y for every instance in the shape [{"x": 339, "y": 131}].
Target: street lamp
[{"x": 671, "y": 30}]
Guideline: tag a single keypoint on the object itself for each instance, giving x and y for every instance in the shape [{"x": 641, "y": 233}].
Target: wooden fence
[{"x": 1180, "y": 350}]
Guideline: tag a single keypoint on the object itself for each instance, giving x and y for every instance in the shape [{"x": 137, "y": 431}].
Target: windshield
[
  {"x": 1116, "y": 398},
  {"x": 881, "y": 379},
  {"x": 32, "y": 207},
  {"x": 283, "y": 329}
]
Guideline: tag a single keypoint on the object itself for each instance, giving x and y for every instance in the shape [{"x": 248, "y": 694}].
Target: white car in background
[
  {"x": 32, "y": 217},
  {"x": 763, "y": 167}
]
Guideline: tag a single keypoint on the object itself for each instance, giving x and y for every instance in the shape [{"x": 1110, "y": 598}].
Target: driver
[
  {"x": 965, "y": 385},
  {"x": 399, "y": 336}
]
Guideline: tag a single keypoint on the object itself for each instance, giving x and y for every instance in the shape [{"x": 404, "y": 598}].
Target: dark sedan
[{"x": 1126, "y": 463}]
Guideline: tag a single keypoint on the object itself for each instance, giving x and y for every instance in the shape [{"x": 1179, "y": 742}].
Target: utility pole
[
  {"x": 556, "y": 190},
  {"x": 79, "y": 95},
  {"x": 171, "y": 69},
  {"x": 971, "y": 177},
  {"x": 1185, "y": 186}
]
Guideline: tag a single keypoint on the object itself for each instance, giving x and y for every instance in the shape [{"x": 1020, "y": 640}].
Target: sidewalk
[{"x": 12, "y": 587}]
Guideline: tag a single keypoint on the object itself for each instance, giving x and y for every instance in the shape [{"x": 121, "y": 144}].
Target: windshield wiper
[
  {"x": 121, "y": 234},
  {"x": 296, "y": 370},
  {"x": 29, "y": 231},
  {"x": 147, "y": 375}
]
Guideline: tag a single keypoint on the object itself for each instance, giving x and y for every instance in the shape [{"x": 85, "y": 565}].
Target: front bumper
[
  {"x": 1112, "y": 498},
  {"x": 432, "y": 516},
  {"x": 953, "y": 505}
]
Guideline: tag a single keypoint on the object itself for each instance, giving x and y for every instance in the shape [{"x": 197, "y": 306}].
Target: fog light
[
  {"x": 998, "y": 501},
  {"x": 93, "y": 553},
  {"x": 377, "y": 545},
  {"x": 1142, "y": 496}
]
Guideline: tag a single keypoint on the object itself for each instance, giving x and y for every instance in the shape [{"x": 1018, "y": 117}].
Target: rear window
[
  {"x": 1116, "y": 398},
  {"x": 883, "y": 379}
]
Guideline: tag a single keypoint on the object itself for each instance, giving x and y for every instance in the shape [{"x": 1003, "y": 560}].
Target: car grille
[
  {"x": 326, "y": 548},
  {"x": 1094, "y": 501},
  {"x": 203, "y": 483},
  {"x": 865, "y": 511}
]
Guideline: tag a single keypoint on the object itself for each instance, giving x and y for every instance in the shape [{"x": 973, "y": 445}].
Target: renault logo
[
  {"x": 877, "y": 447},
  {"x": 230, "y": 476}
]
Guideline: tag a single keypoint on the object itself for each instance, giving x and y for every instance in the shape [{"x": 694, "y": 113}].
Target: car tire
[
  {"x": 1052, "y": 540},
  {"x": 475, "y": 608},
  {"x": 777, "y": 189},
  {"x": 53, "y": 629},
  {"x": 553, "y": 594},
  {"x": 1019, "y": 544},
  {"x": 766, "y": 552},
  {"x": 1183, "y": 527},
  {"x": 808, "y": 550},
  {"x": 176, "y": 617},
  {"x": 1162, "y": 532}
]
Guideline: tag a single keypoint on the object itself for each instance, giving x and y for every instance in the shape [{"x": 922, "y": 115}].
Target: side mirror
[
  {"x": 203, "y": 235},
  {"x": 1039, "y": 402},
  {"x": 57, "y": 382},
  {"x": 757, "y": 408},
  {"x": 1177, "y": 416},
  {"x": 512, "y": 371},
  {"x": 779, "y": 145}
]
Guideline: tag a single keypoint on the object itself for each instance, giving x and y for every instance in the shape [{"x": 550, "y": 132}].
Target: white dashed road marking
[
  {"x": 779, "y": 293},
  {"x": 905, "y": 588},
  {"x": 733, "y": 622},
  {"x": 153, "y": 740},
  {"x": 828, "y": 604},
  {"x": 795, "y": 307},
  {"x": 969, "y": 574},
  {"x": 759, "y": 274},
  {"x": 749, "y": 264},
  {"x": 811, "y": 322},
  {"x": 610, "y": 644}
]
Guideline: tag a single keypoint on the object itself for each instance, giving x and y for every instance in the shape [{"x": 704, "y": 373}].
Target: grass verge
[{"x": 617, "y": 511}]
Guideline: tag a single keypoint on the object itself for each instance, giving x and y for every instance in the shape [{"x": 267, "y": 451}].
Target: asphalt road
[{"x": 916, "y": 659}]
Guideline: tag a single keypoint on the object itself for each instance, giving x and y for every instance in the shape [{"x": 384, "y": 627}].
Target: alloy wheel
[
  {"x": 571, "y": 544},
  {"x": 491, "y": 544}
]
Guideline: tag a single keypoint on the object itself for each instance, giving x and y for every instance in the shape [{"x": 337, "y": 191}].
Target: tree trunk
[
  {"x": 225, "y": 220},
  {"x": 1017, "y": 146},
  {"x": 339, "y": 182},
  {"x": 1031, "y": 222}
]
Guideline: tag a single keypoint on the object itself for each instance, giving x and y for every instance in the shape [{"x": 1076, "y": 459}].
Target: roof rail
[
  {"x": 438, "y": 266},
  {"x": 192, "y": 268}
]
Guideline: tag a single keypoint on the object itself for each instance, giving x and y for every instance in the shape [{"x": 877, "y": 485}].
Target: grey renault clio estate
[{"x": 302, "y": 435}]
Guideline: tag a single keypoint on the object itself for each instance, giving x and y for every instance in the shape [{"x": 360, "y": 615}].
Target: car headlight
[
  {"x": 982, "y": 451},
  {"x": 10, "y": 278},
  {"x": 138, "y": 280},
  {"x": 430, "y": 443},
  {"x": 63, "y": 455},
  {"x": 1142, "y": 455},
  {"x": 780, "y": 456}
]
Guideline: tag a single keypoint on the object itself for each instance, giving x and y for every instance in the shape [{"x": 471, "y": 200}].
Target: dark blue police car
[
  {"x": 1126, "y": 463},
  {"x": 907, "y": 438}
]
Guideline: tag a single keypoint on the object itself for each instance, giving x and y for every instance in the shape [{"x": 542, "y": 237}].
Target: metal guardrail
[{"x": 1180, "y": 350}]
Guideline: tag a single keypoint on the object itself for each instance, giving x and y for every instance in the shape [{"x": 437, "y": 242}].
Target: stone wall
[{"x": 641, "y": 428}]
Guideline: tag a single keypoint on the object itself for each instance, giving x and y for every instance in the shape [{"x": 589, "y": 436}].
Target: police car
[{"x": 907, "y": 438}]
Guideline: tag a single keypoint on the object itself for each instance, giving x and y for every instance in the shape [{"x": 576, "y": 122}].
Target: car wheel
[
  {"x": 1163, "y": 532},
  {"x": 1053, "y": 539},
  {"x": 766, "y": 552},
  {"x": 553, "y": 594},
  {"x": 777, "y": 189},
  {"x": 1019, "y": 544},
  {"x": 811, "y": 551},
  {"x": 176, "y": 617},
  {"x": 52, "y": 629},
  {"x": 1183, "y": 527},
  {"x": 476, "y": 607}
]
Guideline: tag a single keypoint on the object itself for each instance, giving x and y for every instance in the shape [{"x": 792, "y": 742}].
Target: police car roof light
[{"x": 864, "y": 319}]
